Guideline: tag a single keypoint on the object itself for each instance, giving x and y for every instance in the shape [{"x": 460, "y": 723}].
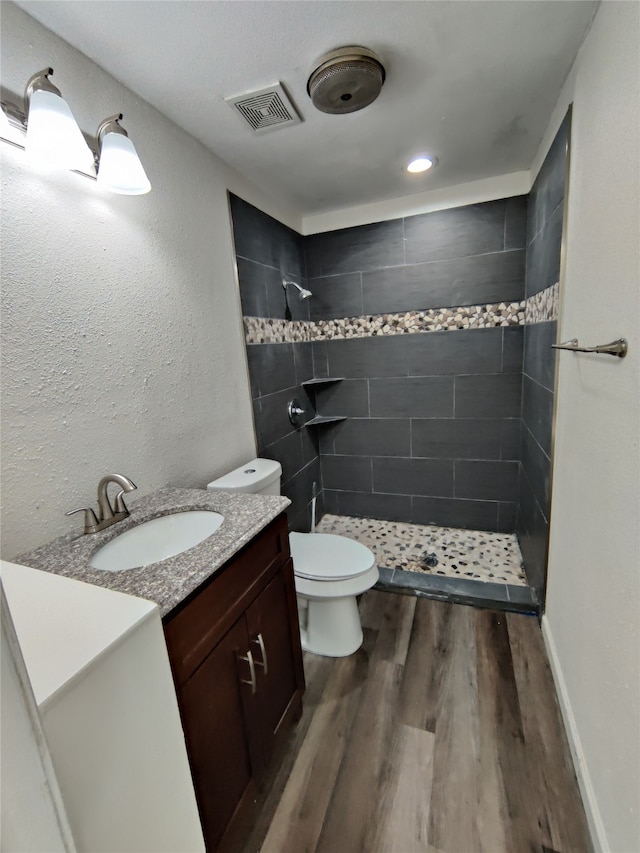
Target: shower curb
[{"x": 496, "y": 596}]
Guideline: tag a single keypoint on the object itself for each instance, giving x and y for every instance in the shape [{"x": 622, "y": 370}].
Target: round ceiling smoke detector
[{"x": 346, "y": 80}]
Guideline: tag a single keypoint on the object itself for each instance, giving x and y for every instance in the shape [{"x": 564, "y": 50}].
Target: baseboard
[{"x": 596, "y": 827}]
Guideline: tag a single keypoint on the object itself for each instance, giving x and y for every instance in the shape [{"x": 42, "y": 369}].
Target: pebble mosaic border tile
[
  {"x": 263, "y": 330},
  {"x": 446, "y": 551},
  {"x": 539, "y": 308},
  {"x": 542, "y": 307}
]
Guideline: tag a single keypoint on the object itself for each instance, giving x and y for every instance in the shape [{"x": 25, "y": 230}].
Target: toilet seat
[{"x": 327, "y": 557}]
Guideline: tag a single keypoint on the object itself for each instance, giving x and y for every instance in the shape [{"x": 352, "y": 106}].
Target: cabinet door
[
  {"x": 214, "y": 705},
  {"x": 275, "y": 643}
]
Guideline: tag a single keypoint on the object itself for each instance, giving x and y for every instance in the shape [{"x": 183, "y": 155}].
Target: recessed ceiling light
[{"x": 420, "y": 164}]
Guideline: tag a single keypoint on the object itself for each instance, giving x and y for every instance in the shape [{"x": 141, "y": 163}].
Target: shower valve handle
[{"x": 295, "y": 410}]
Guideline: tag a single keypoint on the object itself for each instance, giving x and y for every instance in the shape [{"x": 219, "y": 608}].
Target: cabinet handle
[
  {"x": 263, "y": 663},
  {"x": 249, "y": 658}
]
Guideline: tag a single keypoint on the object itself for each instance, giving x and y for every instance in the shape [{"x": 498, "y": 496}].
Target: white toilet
[{"x": 330, "y": 571}]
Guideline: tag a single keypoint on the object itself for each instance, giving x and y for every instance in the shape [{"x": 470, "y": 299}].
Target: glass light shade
[
  {"x": 120, "y": 169},
  {"x": 53, "y": 136}
]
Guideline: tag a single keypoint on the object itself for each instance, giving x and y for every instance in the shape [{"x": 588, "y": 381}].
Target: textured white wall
[
  {"x": 593, "y": 598},
  {"x": 122, "y": 345}
]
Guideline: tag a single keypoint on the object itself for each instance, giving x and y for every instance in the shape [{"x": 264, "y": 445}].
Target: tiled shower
[{"x": 433, "y": 333}]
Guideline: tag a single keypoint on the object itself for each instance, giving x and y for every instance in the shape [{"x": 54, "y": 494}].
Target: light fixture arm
[
  {"x": 40, "y": 83},
  {"x": 110, "y": 125}
]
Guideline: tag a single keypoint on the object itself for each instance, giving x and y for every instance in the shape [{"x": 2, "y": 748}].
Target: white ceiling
[{"x": 472, "y": 83}]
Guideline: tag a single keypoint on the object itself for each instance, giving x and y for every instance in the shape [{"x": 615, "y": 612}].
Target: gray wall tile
[
  {"x": 275, "y": 293},
  {"x": 510, "y": 439},
  {"x": 271, "y": 368},
  {"x": 490, "y": 481},
  {"x": 325, "y": 436},
  {"x": 299, "y": 491},
  {"x": 455, "y": 233},
  {"x": 533, "y": 531},
  {"x": 544, "y": 238},
  {"x": 288, "y": 452},
  {"x": 261, "y": 238},
  {"x": 416, "y": 396},
  {"x": 309, "y": 440},
  {"x": 253, "y": 359},
  {"x": 349, "y": 397},
  {"x": 539, "y": 357},
  {"x": 456, "y": 439},
  {"x": 543, "y": 255},
  {"x": 335, "y": 296},
  {"x": 371, "y": 505},
  {"x": 272, "y": 422},
  {"x": 495, "y": 396},
  {"x": 347, "y": 473},
  {"x": 515, "y": 226},
  {"x": 303, "y": 360},
  {"x": 369, "y": 357},
  {"x": 512, "y": 345},
  {"x": 497, "y": 277},
  {"x": 365, "y": 247},
  {"x": 549, "y": 187},
  {"x": 373, "y": 437},
  {"x": 447, "y": 512},
  {"x": 320, "y": 360},
  {"x": 407, "y": 288},
  {"x": 450, "y": 353},
  {"x": 507, "y": 517},
  {"x": 537, "y": 412},
  {"x": 431, "y": 477},
  {"x": 253, "y": 290},
  {"x": 536, "y": 468},
  {"x": 330, "y": 501}
]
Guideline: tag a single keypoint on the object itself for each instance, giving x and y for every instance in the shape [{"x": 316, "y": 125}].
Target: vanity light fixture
[
  {"x": 120, "y": 169},
  {"x": 53, "y": 136},
  {"x": 49, "y": 134},
  {"x": 421, "y": 164}
]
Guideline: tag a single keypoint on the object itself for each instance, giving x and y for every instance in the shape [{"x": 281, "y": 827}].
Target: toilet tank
[{"x": 258, "y": 477}]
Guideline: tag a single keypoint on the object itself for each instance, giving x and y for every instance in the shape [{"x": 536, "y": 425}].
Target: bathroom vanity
[
  {"x": 235, "y": 654},
  {"x": 230, "y": 622}
]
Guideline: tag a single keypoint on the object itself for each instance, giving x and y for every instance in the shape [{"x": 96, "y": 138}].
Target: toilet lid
[{"x": 324, "y": 556}]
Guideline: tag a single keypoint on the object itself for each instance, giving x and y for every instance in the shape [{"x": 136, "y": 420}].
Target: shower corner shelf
[
  {"x": 325, "y": 419},
  {"x": 323, "y": 380}
]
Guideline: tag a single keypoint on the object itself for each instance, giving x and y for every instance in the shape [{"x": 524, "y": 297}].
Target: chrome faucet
[{"x": 107, "y": 514}]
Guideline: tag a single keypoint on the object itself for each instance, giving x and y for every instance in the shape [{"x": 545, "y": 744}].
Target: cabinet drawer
[{"x": 193, "y": 631}]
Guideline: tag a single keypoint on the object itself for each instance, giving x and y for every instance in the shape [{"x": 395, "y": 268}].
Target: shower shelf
[
  {"x": 318, "y": 420},
  {"x": 325, "y": 419},
  {"x": 322, "y": 380}
]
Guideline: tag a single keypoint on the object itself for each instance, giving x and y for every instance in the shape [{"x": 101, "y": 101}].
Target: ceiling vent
[
  {"x": 346, "y": 80},
  {"x": 266, "y": 109}
]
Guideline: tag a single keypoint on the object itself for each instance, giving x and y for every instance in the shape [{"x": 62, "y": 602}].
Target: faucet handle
[
  {"x": 90, "y": 520},
  {"x": 120, "y": 506}
]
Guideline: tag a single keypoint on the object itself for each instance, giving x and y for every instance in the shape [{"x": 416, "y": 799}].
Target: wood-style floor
[{"x": 442, "y": 734}]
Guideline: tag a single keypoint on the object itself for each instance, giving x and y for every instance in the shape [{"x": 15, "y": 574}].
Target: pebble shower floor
[{"x": 427, "y": 549}]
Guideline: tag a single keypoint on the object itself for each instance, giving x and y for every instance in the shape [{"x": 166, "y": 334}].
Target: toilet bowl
[{"x": 330, "y": 571}]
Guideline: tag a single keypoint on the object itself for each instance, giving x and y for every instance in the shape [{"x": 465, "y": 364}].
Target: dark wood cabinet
[{"x": 234, "y": 648}]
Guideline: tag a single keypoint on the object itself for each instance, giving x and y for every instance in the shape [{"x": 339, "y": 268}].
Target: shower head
[{"x": 303, "y": 293}]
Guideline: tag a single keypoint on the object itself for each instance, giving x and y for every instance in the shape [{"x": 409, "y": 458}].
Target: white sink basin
[{"x": 156, "y": 540}]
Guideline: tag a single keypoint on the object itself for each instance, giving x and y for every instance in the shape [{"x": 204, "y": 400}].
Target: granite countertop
[{"x": 170, "y": 581}]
